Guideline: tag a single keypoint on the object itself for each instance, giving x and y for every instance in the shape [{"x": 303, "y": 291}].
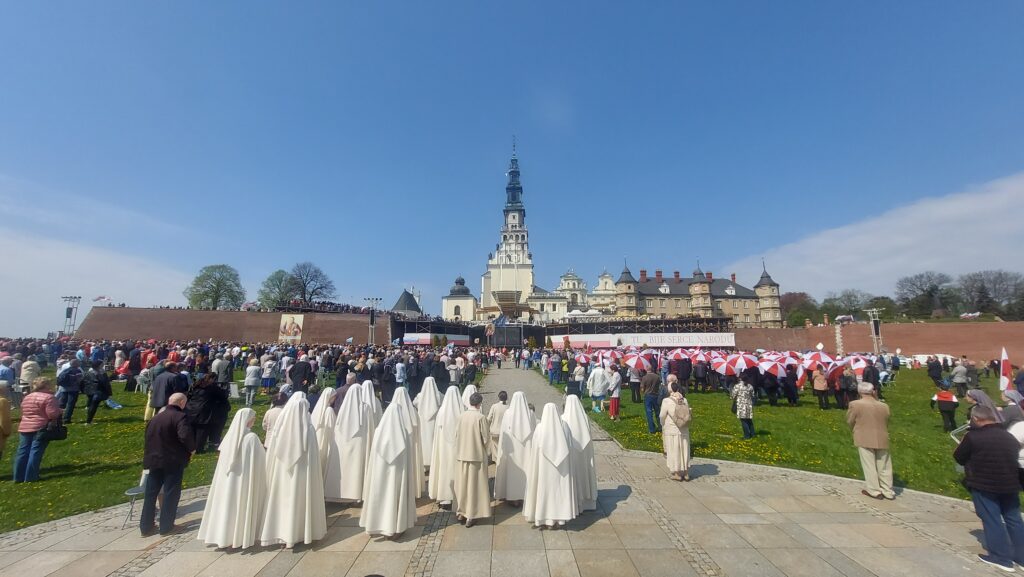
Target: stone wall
[{"x": 184, "y": 325}]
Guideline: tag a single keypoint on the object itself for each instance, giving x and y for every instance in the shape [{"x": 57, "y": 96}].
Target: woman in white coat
[
  {"x": 675, "y": 432},
  {"x": 237, "y": 498}
]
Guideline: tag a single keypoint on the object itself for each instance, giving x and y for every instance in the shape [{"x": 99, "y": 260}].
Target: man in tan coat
[
  {"x": 869, "y": 419},
  {"x": 472, "y": 436}
]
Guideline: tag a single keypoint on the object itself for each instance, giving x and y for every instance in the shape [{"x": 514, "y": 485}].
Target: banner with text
[{"x": 657, "y": 340}]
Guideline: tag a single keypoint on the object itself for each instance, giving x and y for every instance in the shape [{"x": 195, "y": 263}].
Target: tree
[
  {"x": 312, "y": 283},
  {"x": 279, "y": 288},
  {"x": 798, "y": 307},
  {"x": 921, "y": 294},
  {"x": 215, "y": 287},
  {"x": 531, "y": 342},
  {"x": 1001, "y": 287},
  {"x": 890, "y": 310},
  {"x": 847, "y": 302},
  {"x": 548, "y": 344},
  {"x": 435, "y": 341},
  {"x": 444, "y": 341}
]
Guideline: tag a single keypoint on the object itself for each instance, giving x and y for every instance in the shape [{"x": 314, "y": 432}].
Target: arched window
[{"x": 458, "y": 311}]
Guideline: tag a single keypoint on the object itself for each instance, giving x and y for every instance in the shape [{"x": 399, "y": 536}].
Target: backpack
[{"x": 680, "y": 415}]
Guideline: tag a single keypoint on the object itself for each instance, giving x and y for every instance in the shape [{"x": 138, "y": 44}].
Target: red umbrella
[{"x": 638, "y": 362}]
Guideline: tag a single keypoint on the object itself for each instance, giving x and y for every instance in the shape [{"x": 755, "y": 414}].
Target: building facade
[{"x": 508, "y": 291}]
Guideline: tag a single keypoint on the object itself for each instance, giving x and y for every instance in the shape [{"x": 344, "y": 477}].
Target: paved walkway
[{"x": 731, "y": 520}]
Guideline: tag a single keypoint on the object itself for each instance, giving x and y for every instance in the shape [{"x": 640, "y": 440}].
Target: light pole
[{"x": 372, "y": 302}]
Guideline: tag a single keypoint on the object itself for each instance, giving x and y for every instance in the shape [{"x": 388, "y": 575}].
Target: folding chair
[{"x": 134, "y": 493}]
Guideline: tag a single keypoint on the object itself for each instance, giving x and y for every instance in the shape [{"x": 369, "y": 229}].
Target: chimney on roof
[
  {"x": 657, "y": 275},
  {"x": 709, "y": 277},
  {"x": 733, "y": 277},
  {"x": 675, "y": 275},
  {"x": 643, "y": 275}
]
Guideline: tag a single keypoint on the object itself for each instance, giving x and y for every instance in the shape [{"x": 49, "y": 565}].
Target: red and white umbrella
[
  {"x": 742, "y": 361},
  {"x": 720, "y": 366},
  {"x": 699, "y": 356},
  {"x": 638, "y": 362},
  {"x": 677, "y": 355},
  {"x": 812, "y": 360},
  {"x": 651, "y": 354},
  {"x": 789, "y": 361},
  {"x": 612, "y": 354},
  {"x": 857, "y": 363},
  {"x": 582, "y": 358},
  {"x": 773, "y": 367}
]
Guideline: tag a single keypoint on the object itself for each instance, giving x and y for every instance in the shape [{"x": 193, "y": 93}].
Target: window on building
[
  {"x": 757, "y": 318},
  {"x": 746, "y": 304},
  {"x": 679, "y": 303},
  {"x": 649, "y": 304},
  {"x": 735, "y": 318},
  {"x": 554, "y": 307},
  {"x": 458, "y": 311},
  {"x": 746, "y": 318},
  {"x": 541, "y": 307},
  {"x": 630, "y": 300},
  {"x": 662, "y": 303}
]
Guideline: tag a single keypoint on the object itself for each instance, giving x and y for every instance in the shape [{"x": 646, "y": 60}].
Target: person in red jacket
[{"x": 947, "y": 403}]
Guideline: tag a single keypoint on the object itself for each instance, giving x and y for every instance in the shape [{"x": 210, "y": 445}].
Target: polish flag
[{"x": 1005, "y": 381}]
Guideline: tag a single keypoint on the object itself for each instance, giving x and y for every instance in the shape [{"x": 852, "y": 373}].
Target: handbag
[
  {"x": 733, "y": 408},
  {"x": 54, "y": 431}
]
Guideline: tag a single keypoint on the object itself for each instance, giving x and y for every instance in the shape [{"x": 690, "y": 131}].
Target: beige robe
[
  {"x": 494, "y": 416},
  {"x": 472, "y": 494}
]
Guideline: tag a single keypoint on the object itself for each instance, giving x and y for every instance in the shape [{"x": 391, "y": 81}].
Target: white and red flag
[{"x": 1005, "y": 375}]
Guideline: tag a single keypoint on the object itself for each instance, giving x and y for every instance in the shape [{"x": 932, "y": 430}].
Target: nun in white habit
[
  {"x": 411, "y": 420},
  {"x": 427, "y": 403},
  {"x": 323, "y": 419},
  {"x": 550, "y": 498},
  {"x": 466, "y": 394},
  {"x": 346, "y": 467},
  {"x": 390, "y": 505},
  {"x": 514, "y": 450},
  {"x": 237, "y": 498},
  {"x": 295, "y": 484},
  {"x": 584, "y": 473},
  {"x": 442, "y": 460}
]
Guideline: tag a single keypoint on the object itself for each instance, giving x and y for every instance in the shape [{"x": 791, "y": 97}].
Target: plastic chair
[{"x": 134, "y": 493}]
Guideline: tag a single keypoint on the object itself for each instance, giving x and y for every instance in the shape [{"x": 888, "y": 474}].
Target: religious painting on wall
[{"x": 291, "y": 329}]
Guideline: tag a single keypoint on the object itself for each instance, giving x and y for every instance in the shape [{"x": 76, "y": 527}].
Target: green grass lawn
[
  {"x": 805, "y": 437},
  {"x": 93, "y": 467}
]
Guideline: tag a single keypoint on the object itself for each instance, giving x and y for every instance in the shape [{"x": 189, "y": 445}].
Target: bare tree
[
  {"x": 312, "y": 283},
  {"x": 1001, "y": 285},
  {"x": 922, "y": 293}
]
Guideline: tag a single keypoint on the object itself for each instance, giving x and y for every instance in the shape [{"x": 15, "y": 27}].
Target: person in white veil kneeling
[
  {"x": 584, "y": 473},
  {"x": 514, "y": 451},
  {"x": 550, "y": 495},
  {"x": 237, "y": 498},
  {"x": 295, "y": 485},
  {"x": 389, "y": 508},
  {"x": 441, "y": 486}
]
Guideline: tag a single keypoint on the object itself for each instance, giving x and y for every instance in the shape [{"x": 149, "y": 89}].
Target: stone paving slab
[{"x": 733, "y": 519}]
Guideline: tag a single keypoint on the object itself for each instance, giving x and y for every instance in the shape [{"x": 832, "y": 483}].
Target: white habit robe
[
  {"x": 472, "y": 493},
  {"x": 494, "y": 417},
  {"x": 346, "y": 467},
  {"x": 323, "y": 418},
  {"x": 390, "y": 505},
  {"x": 237, "y": 499},
  {"x": 584, "y": 473},
  {"x": 514, "y": 450},
  {"x": 466, "y": 394},
  {"x": 427, "y": 404},
  {"x": 550, "y": 496},
  {"x": 411, "y": 420},
  {"x": 375, "y": 413},
  {"x": 442, "y": 460},
  {"x": 295, "y": 484}
]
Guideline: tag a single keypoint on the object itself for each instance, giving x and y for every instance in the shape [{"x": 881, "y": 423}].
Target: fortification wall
[{"x": 183, "y": 325}]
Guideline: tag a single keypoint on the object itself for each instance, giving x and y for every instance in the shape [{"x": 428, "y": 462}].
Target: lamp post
[{"x": 372, "y": 302}]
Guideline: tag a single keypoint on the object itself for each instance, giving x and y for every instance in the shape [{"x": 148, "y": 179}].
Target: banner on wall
[
  {"x": 291, "y": 329},
  {"x": 657, "y": 340}
]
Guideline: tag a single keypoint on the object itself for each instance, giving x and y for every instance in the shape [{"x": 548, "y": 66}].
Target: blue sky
[{"x": 372, "y": 139}]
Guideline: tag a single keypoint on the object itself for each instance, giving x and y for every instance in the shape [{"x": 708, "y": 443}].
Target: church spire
[{"x": 513, "y": 190}]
